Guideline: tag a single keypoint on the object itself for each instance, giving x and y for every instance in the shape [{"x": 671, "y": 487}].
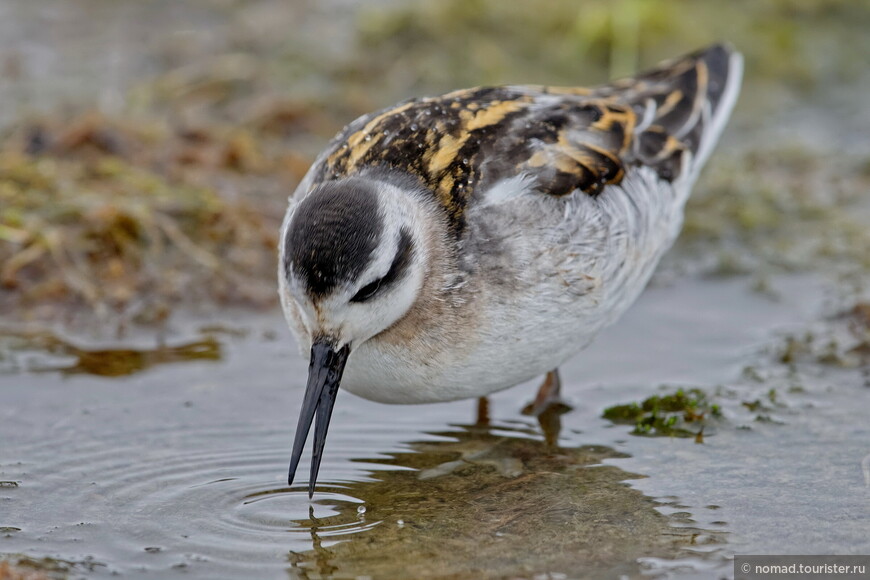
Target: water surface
[{"x": 183, "y": 465}]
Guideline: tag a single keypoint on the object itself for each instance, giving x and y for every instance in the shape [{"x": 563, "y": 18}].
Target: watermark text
[{"x": 801, "y": 567}]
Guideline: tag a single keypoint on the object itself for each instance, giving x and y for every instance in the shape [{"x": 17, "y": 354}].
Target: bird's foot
[
  {"x": 549, "y": 398},
  {"x": 558, "y": 406}
]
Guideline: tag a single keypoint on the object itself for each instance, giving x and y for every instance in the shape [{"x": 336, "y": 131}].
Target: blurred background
[{"x": 149, "y": 146}]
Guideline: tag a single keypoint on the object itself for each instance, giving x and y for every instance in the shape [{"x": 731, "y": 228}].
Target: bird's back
[{"x": 561, "y": 140}]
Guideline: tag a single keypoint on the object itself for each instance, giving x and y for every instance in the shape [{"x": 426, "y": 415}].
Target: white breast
[{"x": 549, "y": 274}]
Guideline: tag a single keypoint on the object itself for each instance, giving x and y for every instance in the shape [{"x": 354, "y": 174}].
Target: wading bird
[{"x": 450, "y": 247}]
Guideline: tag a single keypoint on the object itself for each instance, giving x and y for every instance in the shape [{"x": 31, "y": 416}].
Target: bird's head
[{"x": 353, "y": 261}]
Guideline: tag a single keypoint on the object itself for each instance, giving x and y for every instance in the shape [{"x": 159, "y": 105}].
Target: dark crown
[{"x": 332, "y": 235}]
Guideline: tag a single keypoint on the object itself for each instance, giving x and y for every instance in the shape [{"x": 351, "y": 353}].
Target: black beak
[{"x": 324, "y": 377}]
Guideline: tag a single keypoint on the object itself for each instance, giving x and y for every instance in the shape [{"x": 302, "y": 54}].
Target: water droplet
[
  {"x": 413, "y": 126},
  {"x": 386, "y": 132},
  {"x": 368, "y": 137},
  {"x": 361, "y": 509},
  {"x": 400, "y": 523},
  {"x": 465, "y": 161}
]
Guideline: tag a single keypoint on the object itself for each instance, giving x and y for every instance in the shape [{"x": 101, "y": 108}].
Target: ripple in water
[{"x": 199, "y": 500}]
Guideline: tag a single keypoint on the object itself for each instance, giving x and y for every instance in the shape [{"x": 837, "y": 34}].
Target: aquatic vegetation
[
  {"x": 683, "y": 413},
  {"x": 843, "y": 341},
  {"x": 119, "y": 218}
]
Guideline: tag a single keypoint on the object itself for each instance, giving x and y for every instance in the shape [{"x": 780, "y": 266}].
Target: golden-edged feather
[{"x": 561, "y": 139}]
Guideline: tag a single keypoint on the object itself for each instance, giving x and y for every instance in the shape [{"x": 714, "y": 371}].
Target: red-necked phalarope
[{"x": 450, "y": 247}]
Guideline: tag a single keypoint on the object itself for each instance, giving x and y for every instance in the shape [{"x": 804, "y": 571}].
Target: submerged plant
[{"x": 683, "y": 413}]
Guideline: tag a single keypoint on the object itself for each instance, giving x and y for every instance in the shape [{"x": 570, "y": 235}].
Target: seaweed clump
[
  {"x": 683, "y": 413},
  {"x": 133, "y": 218}
]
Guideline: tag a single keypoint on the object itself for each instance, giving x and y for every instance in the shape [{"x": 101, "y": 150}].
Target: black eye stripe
[
  {"x": 400, "y": 263},
  {"x": 367, "y": 291}
]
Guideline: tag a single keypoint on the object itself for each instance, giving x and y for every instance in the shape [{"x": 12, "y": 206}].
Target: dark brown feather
[{"x": 564, "y": 139}]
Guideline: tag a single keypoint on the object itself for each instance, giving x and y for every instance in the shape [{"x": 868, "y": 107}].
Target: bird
[{"x": 449, "y": 247}]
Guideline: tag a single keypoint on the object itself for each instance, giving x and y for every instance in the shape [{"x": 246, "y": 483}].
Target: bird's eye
[
  {"x": 367, "y": 291},
  {"x": 397, "y": 269}
]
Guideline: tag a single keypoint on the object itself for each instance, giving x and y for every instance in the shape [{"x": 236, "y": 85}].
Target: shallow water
[{"x": 183, "y": 466}]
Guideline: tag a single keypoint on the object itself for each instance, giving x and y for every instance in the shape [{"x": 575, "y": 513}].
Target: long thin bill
[
  {"x": 324, "y": 377},
  {"x": 321, "y": 425}
]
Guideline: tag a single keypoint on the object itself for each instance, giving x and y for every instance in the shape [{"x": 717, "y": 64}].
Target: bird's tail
[{"x": 689, "y": 98}]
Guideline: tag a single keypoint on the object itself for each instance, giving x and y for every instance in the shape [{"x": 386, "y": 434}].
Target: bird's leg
[
  {"x": 549, "y": 395},
  {"x": 482, "y": 412},
  {"x": 550, "y": 421}
]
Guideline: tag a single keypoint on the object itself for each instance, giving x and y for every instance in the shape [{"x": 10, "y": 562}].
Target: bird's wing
[{"x": 560, "y": 140}]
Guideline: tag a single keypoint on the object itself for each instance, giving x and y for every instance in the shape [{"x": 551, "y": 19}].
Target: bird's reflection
[
  {"x": 499, "y": 496},
  {"x": 549, "y": 418},
  {"x": 318, "y": 559}
]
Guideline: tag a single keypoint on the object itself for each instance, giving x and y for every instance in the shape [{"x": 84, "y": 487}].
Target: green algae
[{"x": 683, "y": 413}]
